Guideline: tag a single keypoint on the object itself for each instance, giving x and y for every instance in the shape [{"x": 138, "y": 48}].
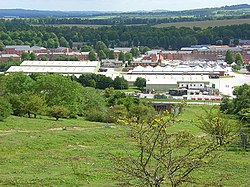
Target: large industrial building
[
  {"x": 178, "y": 70},
  {"x": 62, "y": 67},
  {"x": 163, "y": 83}
]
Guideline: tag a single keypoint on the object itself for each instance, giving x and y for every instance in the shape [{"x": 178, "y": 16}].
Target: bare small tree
[
  {"x": 162, "y": 157},
  {"x": 216, "y": 124}
]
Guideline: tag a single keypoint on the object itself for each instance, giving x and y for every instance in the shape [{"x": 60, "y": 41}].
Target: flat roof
[
  {"x": 9, "y": 55},
  {"x": 46, "y": 69},
  {"x": 61, "y": 63}
]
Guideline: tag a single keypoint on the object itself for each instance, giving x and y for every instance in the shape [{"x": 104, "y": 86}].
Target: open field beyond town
[
  {"x": 75, "y": 152},
  {"x": 205, "y": 24},
  {"x": 191, "y": 24},
  {"x": 75, "y": 25}
]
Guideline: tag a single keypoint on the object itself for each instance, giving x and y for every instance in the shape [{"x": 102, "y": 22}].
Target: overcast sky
[{"x": 116, "y": 5}]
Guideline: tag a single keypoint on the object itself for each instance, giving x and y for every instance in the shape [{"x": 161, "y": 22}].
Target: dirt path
[{"x": 6, "y": 132}]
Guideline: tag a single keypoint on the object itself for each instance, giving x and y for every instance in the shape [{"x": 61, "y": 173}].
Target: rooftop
[
  {"x": 18, "y": 47},
  {"x": 61, "y": 63}
]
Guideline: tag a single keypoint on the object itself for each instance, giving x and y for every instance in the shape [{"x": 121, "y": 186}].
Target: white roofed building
[
  {"x": 62, "y": 67},
  {"x": 178, "y": 70}
]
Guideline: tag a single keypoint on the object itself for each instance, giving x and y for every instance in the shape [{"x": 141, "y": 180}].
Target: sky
[{"x": 116, "y": 5}]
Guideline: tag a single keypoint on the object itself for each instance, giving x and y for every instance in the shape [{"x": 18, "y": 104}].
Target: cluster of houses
[
  {"x": 207, "y": 52},
  {"x": 194, "y": 53},
  {"x": 14, "y": 52},
  {"x": 190, "y": 68},
  {"x": 151, "y": 58}
]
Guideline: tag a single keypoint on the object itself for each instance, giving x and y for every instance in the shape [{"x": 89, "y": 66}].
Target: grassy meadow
[{"x": 75, "y": 152}]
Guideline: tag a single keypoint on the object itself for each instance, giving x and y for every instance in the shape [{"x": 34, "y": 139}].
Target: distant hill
[
  {"x": 22, "y": 13},
  {"x": 236, "y": 7},
  {"x": 228, "y": 10},
  {"x": 205, "y": 12}
]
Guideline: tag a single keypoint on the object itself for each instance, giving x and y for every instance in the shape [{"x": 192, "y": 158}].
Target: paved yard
[{"x": 226, "y": 85}]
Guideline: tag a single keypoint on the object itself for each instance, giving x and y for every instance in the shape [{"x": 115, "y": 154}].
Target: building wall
[
  {"x": 6, "y": 59},
  {"x": 144, "y": 64},
  {"x": 10, "y": 50},
  {"x": 160, "y": 87},
  {"x": 193, "y": 85},
  {"x": 212, "y": 55},
  {"x": 40, "y": 51},
  {"x": 67, "y": 50}
]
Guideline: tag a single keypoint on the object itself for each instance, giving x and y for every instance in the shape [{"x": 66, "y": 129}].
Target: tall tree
[
  {"x": 128, "y": 57},
  {"x": 140, "y": 83},
  {"x": 86, "y": 48},
  {"x": 103, "y": 82},
  {"x": 121, "y": 57},
  {"x": 229, "y": 57},
  {"x": 120, "y": 83},
  {"x": 135, "y": 52},
  {"x": 1, "y": 46},
  {"x": 33, "y": 104},
  {"x": 100, "y": 46},
  {"x": 25, "y": 56},
  {"x": 102, "y": 55},
  {"x": 33, "y": 56},
  {"x": 87, "y": 80},
  {"x": 144, "y": 49},
  {"x": 18, "y": 83},
  {"x": 63, "y": 42},
  {"x": 239, "y": 60},
  {"x": 92, "y": 56},
  {"x": 94, "y": 105},
  {"x": 59, "y": 90},
  {"x": 111, "y": 54}
]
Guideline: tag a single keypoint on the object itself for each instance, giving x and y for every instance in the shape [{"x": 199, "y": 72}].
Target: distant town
[{"x": 189, "y": 73}]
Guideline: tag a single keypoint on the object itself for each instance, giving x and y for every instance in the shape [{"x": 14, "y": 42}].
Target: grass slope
[{"x": 38, "y": 152}]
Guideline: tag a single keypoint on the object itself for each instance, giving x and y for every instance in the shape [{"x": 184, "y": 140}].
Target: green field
[
  {"x": 201, "y": 24},
  {"x": 75, "y": 152},
  {"x": 75, "y": 25},
  {"x": 205, "y": 24}
]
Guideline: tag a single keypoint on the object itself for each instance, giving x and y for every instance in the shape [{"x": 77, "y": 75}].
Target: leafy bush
[
  {"x": 58, "y": 112},
  {"x": 5, "y": 109},
  {"x": 95, "y": 115},
  {"x": 160, "y": 96}
]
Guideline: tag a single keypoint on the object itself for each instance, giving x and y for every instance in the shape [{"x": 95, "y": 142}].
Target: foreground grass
[{"x": 38, "y": 152}]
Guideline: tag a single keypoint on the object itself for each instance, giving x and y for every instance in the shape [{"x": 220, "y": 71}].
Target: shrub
[
  {"x": 160, "y": 96},
  {"x": 5, "y": 109},
  {"x": 95, "y": 115},
  {"x": 58, "y": 112}
]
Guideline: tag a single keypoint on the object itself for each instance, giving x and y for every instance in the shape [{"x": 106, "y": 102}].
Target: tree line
[
  {"x": 58, "y": 96},
  {"x": 15, "y": 33},
  {"x": 125, "y": 20}
]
